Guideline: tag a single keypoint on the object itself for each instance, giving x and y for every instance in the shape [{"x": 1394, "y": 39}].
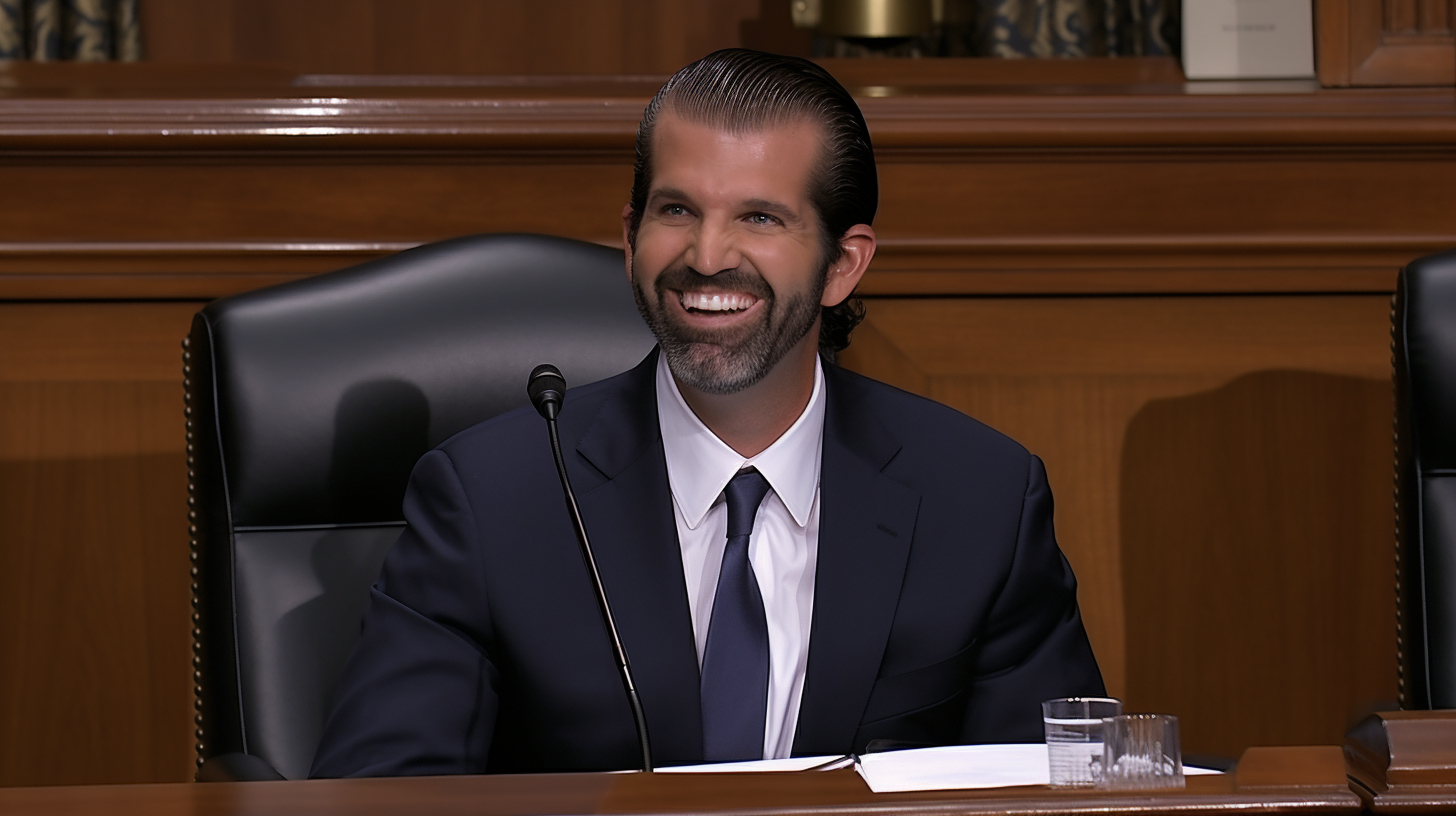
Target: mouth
[{"x": 724, "y": 303}]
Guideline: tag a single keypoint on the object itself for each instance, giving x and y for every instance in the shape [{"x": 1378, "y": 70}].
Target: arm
[
  {"x": 418, "y": 694},
  {"x": 1034, "y": 647}
]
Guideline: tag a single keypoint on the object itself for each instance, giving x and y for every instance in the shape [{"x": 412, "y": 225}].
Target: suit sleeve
[
  {"x": 1034, "y": 647},
  {"x": 417, "y": 696}
]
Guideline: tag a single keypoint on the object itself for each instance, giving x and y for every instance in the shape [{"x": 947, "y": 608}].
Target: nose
[{"x": 713, "y": 247}]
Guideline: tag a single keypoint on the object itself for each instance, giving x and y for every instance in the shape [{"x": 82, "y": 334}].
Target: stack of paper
[{"x": 960, "y": 766}]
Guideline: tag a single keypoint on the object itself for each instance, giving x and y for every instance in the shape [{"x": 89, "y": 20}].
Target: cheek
[
  {"x": 655, "y": 250},
  {"x": 787, "y": 267}
]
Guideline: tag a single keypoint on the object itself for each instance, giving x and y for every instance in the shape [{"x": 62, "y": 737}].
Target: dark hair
[{"x": 743, "y": 91}]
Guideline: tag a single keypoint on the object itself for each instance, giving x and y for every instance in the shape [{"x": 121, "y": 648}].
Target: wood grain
[
  {"x": 458, "y": 36},
  {"x": 1197, "y": 447},
  {"x": 1269, "y": 780},
  {"x": 1391, "y": 42},
  {"x": 93, "y": 552}
]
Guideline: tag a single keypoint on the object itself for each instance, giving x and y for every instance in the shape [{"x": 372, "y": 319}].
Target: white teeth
[{"x": 718, "y": 302}]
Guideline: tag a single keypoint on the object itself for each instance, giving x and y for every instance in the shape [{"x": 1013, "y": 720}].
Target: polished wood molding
[
  {"x": 1285, "y": 780},
  {"x": 1404, "y": 761},
  {"x": 196, "y": 270},
  {"x": 1090, "y": 264},
  {"x": 563, "y": 118}
]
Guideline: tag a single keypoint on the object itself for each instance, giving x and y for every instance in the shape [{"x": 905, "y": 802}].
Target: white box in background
[{"x": 1248, "y": 39}]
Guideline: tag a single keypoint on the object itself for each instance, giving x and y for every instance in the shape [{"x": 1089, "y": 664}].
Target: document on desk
[
  {"x": 752, "y": 766},
  {"x": 957, "y": 767}
]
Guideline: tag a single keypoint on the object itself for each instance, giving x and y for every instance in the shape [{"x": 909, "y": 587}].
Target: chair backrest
[
  {"x": 307, "y": 406},
  {"x": 1424, "y": 333}
]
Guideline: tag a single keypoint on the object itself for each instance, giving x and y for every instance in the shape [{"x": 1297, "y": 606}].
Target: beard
[{"x": 728, "y": 360}]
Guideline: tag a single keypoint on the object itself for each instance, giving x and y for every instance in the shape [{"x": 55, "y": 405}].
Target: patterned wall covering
[
  {"x": 80, "y": 30},
  {"x": 1079, "y": 28},
  {"x": 1034, "y": 28}
]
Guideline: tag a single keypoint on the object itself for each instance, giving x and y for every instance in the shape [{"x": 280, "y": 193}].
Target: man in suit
[{"x": 799, "y": 560}]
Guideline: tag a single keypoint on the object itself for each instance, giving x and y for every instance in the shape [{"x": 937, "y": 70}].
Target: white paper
[
  {"x": 789, "y": 764},
  {"x": 1248, "y": 39},
  {"x": 959, "y": 767}
]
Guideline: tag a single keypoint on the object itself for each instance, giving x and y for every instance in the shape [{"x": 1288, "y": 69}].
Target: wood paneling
[
  {"x": 1221, "y": 467},
  {"x": 1177, "y": 298},
  {"x": 1385, "y": 42},
  {"x": 461, "y": 36},
  {"x": 93, "y": 546}
]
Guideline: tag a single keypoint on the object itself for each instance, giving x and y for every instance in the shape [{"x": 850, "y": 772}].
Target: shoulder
[{"x": 923, "y": 428}]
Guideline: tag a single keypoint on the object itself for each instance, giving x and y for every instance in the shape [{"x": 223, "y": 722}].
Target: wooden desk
[
  {"x": 1286, "y": 780},
  {"x": 1404, "y": 761}
]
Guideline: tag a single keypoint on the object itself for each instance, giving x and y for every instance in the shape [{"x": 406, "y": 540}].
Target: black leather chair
[
  {"x": 1424, "y": 335},
  {"x": 307, "y": 406}
]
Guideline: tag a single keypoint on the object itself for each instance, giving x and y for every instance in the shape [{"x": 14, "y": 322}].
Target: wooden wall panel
[
  {"x": 1385, "y": 42},
  {"x": 461, "y": 36},
  {"x": 291, "y": 199},
  {"x": 1197, "y": 447},
  {"x": 93, "y": 544}
]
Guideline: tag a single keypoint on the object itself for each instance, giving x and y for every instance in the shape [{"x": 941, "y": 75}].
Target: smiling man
[{"x": 800, "y": 560}]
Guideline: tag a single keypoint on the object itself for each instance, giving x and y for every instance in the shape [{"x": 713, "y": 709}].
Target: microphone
[{"x": 547, "y": 389}]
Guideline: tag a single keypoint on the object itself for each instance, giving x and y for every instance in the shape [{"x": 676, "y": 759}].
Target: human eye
[{"x": 759, "y": 219}]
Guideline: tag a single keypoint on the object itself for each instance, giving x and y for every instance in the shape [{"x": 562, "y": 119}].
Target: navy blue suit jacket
[{"x": 944, "y": 612}]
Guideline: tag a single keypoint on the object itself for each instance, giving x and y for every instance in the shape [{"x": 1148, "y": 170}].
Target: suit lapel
[
  {"x": 866, "y": 523},
  {"x": 630, "y": 520}
]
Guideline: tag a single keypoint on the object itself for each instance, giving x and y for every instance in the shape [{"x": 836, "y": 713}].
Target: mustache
[{"x": 687, "y": 279}]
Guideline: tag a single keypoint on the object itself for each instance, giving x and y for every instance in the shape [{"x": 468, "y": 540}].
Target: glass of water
[
  {"x": 1141, "y": 751},
  {"x": 1074, "y": 738}
]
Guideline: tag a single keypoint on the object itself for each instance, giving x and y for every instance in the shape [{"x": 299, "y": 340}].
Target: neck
[{"x": 750, "y": 420}]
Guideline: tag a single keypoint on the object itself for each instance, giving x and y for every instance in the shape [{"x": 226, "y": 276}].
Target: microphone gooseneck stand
[{"x": 547, "y": 389}]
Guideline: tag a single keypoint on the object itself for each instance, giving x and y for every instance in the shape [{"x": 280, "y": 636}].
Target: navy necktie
[{"x": 734, "y": 685}]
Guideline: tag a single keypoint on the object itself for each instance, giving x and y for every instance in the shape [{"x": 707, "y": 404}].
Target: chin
[{"x": 712, "y": 370}]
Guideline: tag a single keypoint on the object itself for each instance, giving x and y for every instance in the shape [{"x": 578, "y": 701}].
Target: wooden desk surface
[{"x": 1287, "y": 780}]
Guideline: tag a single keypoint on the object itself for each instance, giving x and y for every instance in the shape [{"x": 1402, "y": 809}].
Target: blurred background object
[
  {"x": 991, "y": 28},
  {"x": 75, "y": 30}
]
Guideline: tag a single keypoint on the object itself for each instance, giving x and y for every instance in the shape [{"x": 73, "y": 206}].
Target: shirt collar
[{"x": 700, "y": 465}]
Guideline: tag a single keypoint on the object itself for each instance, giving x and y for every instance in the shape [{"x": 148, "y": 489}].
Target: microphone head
[{"x": 547, "y": 389}]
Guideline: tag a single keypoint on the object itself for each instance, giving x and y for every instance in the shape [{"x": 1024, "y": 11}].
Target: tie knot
[{"x": 745, "y": 492}]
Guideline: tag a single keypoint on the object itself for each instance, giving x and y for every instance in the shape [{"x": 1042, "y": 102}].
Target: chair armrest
[{"x": 236, "y": 767}]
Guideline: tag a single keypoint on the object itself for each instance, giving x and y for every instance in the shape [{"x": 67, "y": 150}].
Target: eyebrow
[
  {"x": 668, "y": 193},
  {"x": 782, "y": 211}
]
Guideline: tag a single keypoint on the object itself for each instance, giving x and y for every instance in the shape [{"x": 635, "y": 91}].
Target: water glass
[
  {"x": 1141, "y": 751},
  {"x": 1074, "y": 738}
]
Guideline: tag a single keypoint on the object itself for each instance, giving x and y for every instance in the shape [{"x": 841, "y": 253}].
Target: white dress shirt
[{"x": 785, "y": 542}]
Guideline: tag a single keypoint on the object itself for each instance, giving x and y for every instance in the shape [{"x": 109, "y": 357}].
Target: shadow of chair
[
  {"x": 307, "y": 405},
  {"x": 1424, "y": 347}
]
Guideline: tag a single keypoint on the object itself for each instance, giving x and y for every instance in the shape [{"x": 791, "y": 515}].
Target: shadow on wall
[{"x": 1258, "y": 559}]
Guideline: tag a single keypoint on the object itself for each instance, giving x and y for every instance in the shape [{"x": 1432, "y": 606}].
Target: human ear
[
  {"x": 626, "y": 237},
  {"x": 856, "y": 250}
]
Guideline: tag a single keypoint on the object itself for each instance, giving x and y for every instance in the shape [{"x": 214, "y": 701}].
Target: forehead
[{"x": 773, "y": 161}]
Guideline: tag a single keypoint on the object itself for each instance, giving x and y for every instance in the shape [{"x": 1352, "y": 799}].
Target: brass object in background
[
  {"x": 805, "y": 13},
  {"x": 875, "y": 18}
]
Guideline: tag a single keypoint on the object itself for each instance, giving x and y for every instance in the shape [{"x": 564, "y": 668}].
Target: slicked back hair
[{"x": 743, "y": 91}]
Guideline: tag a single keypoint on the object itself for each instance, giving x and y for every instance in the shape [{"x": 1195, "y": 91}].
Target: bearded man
[{"x": 800, "y": 560}]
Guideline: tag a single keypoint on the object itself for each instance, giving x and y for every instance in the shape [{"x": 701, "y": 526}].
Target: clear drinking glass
[
  {"x": 1074, "y": 738},
  {"x": 1141, "y": 751}
]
